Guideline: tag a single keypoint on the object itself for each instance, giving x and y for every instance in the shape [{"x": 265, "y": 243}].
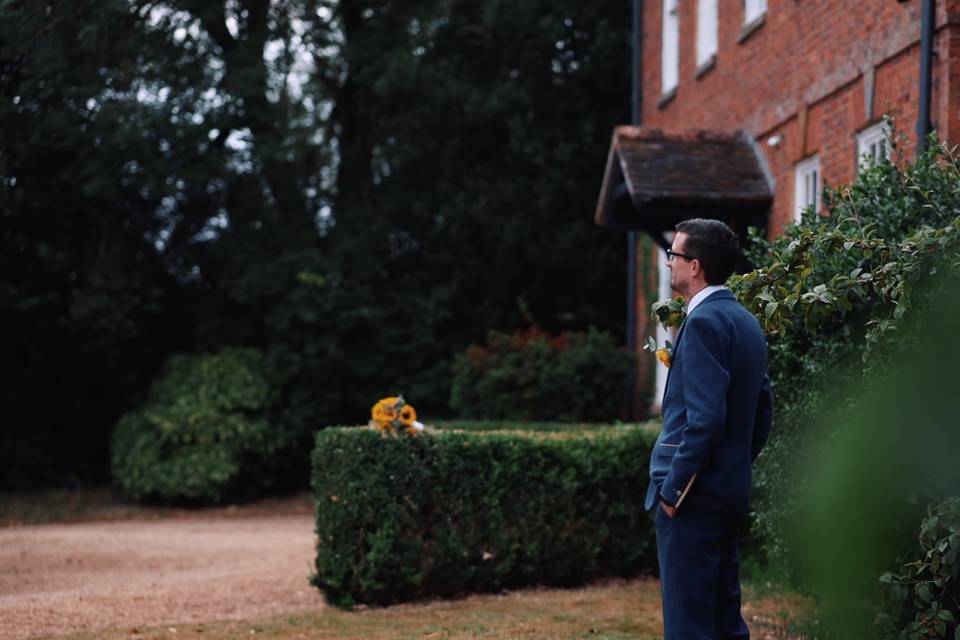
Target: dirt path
[
  {"x": 56, "y": 579},
  {"x": 230, "y": 572}
]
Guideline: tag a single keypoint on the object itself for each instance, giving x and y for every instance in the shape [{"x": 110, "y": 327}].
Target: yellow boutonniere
[
  {"x": 668, "y": 313},
  {"x": 663, "y": 355}
]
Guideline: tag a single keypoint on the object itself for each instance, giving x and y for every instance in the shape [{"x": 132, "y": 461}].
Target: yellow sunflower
[{"x": 408, "y": 415}]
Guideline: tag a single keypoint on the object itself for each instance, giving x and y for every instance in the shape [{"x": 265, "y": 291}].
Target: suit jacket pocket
[{"x": 664, "y": 452}]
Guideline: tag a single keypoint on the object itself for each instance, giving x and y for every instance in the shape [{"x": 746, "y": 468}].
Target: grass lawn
[{"x": 615, "y": 610}]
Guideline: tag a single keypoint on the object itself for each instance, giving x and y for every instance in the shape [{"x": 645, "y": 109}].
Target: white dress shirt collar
[{"x": 702, "y": 295}]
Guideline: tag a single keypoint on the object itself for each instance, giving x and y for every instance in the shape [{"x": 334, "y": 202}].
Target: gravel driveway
[{"x": 59, "y": 579}]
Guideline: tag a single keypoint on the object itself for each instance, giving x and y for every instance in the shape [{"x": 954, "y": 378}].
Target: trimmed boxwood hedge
[{"x": 446, "y": 514}]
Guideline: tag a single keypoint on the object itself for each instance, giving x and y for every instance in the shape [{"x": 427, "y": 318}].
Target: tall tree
[
  {"x": 155, "y": 159},
  {"x": 472, "y": 140},
  {"x": 81, "y": 286}
]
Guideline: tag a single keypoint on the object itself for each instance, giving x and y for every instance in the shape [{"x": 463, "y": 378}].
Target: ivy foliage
[
  {"x": 808, "y": 283},
  {"x": 841, "y": 298},
  {"x": 924, "y": 594},
  {"x": 204, "y": 433},
  {"x": 879, "y": 492}
]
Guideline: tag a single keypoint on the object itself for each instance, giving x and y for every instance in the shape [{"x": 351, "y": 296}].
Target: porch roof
[{"x": 656, "y": 178}]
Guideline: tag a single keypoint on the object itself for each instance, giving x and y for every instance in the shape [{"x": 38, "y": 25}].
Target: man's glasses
[{"x": 671, "y": 254}]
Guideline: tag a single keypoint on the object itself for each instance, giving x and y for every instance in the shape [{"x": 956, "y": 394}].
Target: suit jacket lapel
[
  {"x": 673, "y": 352},
  {"x": 725, "y": 294}
]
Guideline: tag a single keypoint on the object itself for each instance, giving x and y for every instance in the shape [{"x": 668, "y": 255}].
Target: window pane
[
  {"x": 807, "y": 186},
  {"x": 670, "y": 55},
  {"x": 753, "y": 9},
  {"x": 873, "y": 144},
  {"x": 706, "y": 30}
]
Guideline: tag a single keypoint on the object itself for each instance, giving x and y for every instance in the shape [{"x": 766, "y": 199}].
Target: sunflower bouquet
[{"x": 393, "y": 415}]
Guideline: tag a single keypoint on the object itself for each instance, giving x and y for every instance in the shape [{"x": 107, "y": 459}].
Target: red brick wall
[{"x": 803, "y": 74}]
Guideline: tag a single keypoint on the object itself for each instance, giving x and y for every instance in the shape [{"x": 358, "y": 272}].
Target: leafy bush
[
  {"x": 840, "y": 297},
  {"x": 880, "y": 458},
  {"x": 924, "y": 594},
  {"x": 400, "y": 519},
  {"x": 203, "y": 434},
  {"x": 532, "y": 376}
]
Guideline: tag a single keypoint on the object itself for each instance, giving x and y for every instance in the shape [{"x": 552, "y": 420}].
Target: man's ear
[{"x": 696, "y": 268}]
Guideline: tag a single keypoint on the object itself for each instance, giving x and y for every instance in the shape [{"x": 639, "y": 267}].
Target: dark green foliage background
[
  {"x": 533, "y": 376},
  {"x": 445, "y": 514},
  {"x": 175, "y": 179}
]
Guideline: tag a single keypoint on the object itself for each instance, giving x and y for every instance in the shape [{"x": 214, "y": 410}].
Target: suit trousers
[{"x": 700, "y": 573}]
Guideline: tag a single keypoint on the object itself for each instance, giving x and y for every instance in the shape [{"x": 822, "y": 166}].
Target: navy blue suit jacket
[{"x": 717, "y": 408}]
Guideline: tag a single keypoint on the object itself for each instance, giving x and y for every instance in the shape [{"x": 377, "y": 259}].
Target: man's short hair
[{"x": 714, "y": 244}]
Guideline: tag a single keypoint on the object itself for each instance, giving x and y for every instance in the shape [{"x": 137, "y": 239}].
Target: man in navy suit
[{"x": 717, "y": 409}]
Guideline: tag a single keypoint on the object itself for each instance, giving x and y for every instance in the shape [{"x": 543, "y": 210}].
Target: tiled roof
[{"x": 670, "y": 175}]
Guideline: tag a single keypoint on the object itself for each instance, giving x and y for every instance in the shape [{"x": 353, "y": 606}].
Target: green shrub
[
  {"x": 924, "y": 593},
  {"x": 878, "y": 459},
  {"x": 840, "y": 298},
  {"x": 445, "y": 514},
  {"x": 203, "y": 434},
  {"x": 532, "y": 376},
  {"x": 513, "y": 425}
]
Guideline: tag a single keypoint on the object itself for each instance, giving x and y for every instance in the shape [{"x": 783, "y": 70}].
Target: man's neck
[
  {"x": 694, "y": 290},
  {"x": 702, "y": 294}
]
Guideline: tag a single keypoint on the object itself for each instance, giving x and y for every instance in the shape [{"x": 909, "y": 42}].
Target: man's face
[{"x": 680, "y": 276}]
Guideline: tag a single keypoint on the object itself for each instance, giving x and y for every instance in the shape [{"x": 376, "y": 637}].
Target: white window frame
[
  {"x": 670, "y": 47},
  {"x": 753, "y": 9},
  {"x": 664, "y": 292},
  {"x": 807, "y": 185},
  {"x": 707, "y": 26},
  {"x": 873, "y": 144}
]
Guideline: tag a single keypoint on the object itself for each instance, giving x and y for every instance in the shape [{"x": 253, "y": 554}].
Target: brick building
[{"x": 750, "y": 107}]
